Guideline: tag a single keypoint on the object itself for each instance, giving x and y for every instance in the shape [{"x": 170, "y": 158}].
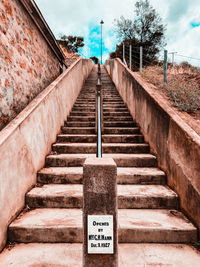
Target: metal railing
[{"x": 99, "y": 114}]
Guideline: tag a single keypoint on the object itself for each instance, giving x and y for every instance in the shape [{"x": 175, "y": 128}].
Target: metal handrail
[{"x": 99, "y": 114}]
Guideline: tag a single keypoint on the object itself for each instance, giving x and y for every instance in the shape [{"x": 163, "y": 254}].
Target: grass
[{"x": 182, "y": 88}]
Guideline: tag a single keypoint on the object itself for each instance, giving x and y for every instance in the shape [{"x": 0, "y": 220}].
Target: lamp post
[{"x": 102, "y": 22}]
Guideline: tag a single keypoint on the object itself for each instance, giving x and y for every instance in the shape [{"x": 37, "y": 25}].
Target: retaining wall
[
  {"x": 30, "y": 58},
  {"x": 26, "y": 140},
  {"x": 176, "y": 145}
]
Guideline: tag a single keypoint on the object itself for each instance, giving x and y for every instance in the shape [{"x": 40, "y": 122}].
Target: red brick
[
  {"x": 23, "y": 65},
  {"x": 31, "y": 33},
  {"x": 35, "y": 74},
  {"x": 1, "y": 96},
  {"x": 25, "y": 42},
  {"x": 7, "y": 84},
  {"x": 16, "y": 91},
  {"x": 8, "y": 59},
  {"x": 19, "y": 50},
  {"x": 40, "y": 67},
  {"x": 3, "y": 18},
  {"x": 18, "y": 21},
  {"x": 8, "y": 8},
  {"x": 13, "y": 41}
]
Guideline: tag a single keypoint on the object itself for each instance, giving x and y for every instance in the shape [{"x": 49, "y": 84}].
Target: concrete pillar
[{"x": 100, "y": 245}]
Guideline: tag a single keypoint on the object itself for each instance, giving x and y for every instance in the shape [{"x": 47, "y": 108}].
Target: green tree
[
  {"x": 146, "y": 30},
  {"x": 95, "y": 59},
  {"x": 71, "y": 43}
]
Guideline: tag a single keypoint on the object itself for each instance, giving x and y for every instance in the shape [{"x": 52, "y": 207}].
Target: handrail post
[{"x": 99, "y": 113}]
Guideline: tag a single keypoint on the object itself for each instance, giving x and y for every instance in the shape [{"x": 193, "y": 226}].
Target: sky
[{"x": 82, "y": 18}]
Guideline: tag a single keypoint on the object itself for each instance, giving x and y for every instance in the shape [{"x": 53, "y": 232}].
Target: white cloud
[{"x": 76, "y": 17}]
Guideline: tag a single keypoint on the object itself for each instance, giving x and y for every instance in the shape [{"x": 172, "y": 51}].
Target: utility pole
[{"x": 102, "y": 22}]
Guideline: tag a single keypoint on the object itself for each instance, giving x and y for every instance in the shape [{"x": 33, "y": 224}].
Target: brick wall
[{"x": 27, "y": 63}]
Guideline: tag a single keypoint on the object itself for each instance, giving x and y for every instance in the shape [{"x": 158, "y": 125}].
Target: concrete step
[
  {"x": 114, "y": 105},
  {"x": 76, "y": 113},
  {"x": 129, "y": 197},
  {"x": 146, "y": 197},
  {"x": 142, "y": 175},
  {"x": 125, "y": 124},
  {"x": 82, "y": 99},
  {"x": 106, "y": 148},
  {"x": 83, "y": 109},
  {"x": 116, "y": 114},
  {"x": 57, "y": 175},
  {"x": 79, "y": 138},
  {"x": 117, "y": 118},
  {"x": 135, "y": 225},
  {"x": 67, "y": 160},
  {"x": 122, "y": 160},
  {"x": 113, "y": 102},
  {"x": 113, "y": 109},
  {"x": 134, "y": 138},
  {"x": 125, "y": 148},
  {"x": 123, "y": 130},
  {"x": 79, "y": 123},
  {"x": 130, "y": 255},
  {"x": 80, "y": 118},
  {"x": 125, "y": 175},
  {"x": 64, "y": 138},
  {"x": 78, "y": 130}
]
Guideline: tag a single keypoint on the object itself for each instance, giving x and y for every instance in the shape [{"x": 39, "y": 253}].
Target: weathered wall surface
[
  {"x": 176, "y": 145},
  {"x": 27, "y": 63},
  {"x": 26, "y": 140}
]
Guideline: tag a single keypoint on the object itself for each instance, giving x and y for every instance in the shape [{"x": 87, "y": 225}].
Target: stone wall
[
  {"x": 174, "y": 142},
  {"x": 27, "y": 63}
]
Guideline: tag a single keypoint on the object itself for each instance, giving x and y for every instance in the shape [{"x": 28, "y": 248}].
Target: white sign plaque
[{"x": 100, "y": 234}]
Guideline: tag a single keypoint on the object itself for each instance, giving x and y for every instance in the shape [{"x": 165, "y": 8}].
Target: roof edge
[{"x": 37, "y": 17}]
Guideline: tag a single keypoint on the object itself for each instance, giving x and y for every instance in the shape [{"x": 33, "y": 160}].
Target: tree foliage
[
  {"x": 146, "y": 30},
  {"x": 71, "y": 43},
  {"x": 95, "y": 59}
]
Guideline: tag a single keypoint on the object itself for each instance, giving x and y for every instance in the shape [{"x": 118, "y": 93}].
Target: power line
[{"x": 187, "y": 57}]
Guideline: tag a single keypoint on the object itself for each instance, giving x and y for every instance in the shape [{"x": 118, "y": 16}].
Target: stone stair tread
[
  {"x": 130, "y": 255},
  {"x": 76, "y": 190},
  {"x": 54, "y": 190},
  {"x": 61, "y": 170},
  {"x": 103, "y": 145},
  {"x": 135, "y": 225},
  {"x": 139, "y": 171},
  {"x": 57, "y": 175},
  {"x": 153, "y": 219},
  {"x": 123, "y": 160},
  {"x": 111, "y": 155},
  {"x": 120, "y": 170},
  {"x": 129, "y": 196},
  {"x": 127, "y": 218},
  {"x": 146, "y": 190},
  {"x": 49, "y": 218}
]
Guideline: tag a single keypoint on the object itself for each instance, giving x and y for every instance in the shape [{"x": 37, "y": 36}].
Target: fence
[
  {"x": 181, "y": 83},
  {"x": 137, "y": 57}
]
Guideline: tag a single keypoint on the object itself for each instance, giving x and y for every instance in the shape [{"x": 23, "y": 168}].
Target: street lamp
[{"x": 102, "y": 22}]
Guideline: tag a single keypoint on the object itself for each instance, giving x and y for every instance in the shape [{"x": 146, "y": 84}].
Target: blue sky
[{"x": 78, "y": 17}]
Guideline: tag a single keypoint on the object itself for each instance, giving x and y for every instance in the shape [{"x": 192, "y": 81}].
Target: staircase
[{"x": 148, "y": 208}]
